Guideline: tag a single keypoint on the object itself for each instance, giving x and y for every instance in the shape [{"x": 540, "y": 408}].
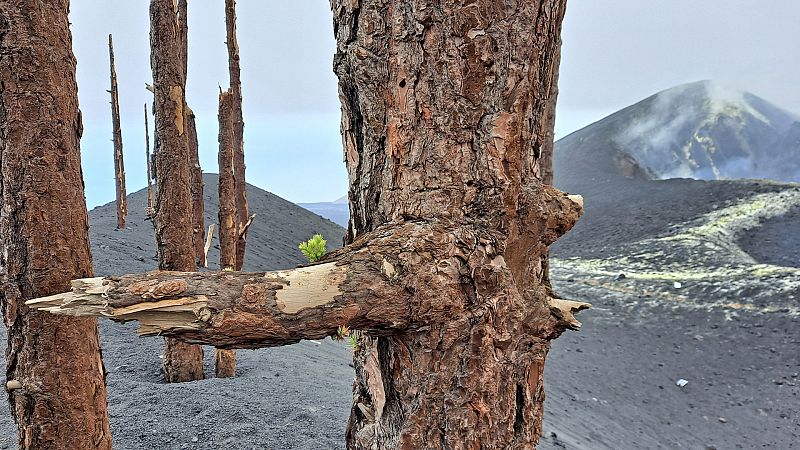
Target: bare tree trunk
[
  {"x": 242, "y": 210},
  {"x": 56, "y": 386},
  {"x": 119, "y": 164},
  {"x": 444, "y": 105},
  {"x": 147, "y": 157},
  {"x": 198, "y": 202},
  {"x": 228, "y": 237},
  {"x": 182, "y": 362}
]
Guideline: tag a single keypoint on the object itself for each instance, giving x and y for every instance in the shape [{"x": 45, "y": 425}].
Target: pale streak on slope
[{"x": 702, "y": 253}]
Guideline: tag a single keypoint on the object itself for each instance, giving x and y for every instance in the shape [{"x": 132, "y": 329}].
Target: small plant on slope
[{"x": 314, "y": 248}]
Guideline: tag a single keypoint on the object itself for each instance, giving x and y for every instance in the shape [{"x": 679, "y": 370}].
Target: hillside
[{"x": 272, "y": 241}]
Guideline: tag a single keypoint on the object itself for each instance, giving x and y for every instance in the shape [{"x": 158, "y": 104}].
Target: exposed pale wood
[
  {"x": 207, "y": 246},
  {"x": 566, "y": 309}
]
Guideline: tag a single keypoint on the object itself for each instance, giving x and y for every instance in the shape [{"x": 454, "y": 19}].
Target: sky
[{"x": 615, "y": 53}]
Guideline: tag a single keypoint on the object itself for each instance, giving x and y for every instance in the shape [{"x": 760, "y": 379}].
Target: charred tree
[
  {"x": 228, "y": 236},
  {"x": 444, "y": 110},
  {"x": 198, "y": 202},
  {"x": 55, "y": 375},
  {"x": 119, "y": 164},
  {"x": 173, "y": 210},
  {"x": 147, "y": 158},
  {"x": 242, "y": 211}
]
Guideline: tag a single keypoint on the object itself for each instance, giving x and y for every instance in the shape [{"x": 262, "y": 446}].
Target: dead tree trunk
[
  {"x": 119, "y": 164},
  {"x": 444, "y": 113},
  {"x": 228, "y": 237},
  {"x": 242, "y": 210},
  {"x": 55, "y": 375},
  {"x": 198, "y": 202},
  {"x": 182, "y": 362},
  {"x": 147, "y": 157}
]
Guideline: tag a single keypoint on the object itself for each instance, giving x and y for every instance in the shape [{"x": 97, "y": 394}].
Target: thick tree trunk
[
  {"x": 147, "y": 158},
  {"x": 119, "y": 164},
  {"x": 444, "y": 113},
  {"x": 55, "y": 373},
  {"x": 225, "y": 360},
  {"x": 182, "y": 362}
]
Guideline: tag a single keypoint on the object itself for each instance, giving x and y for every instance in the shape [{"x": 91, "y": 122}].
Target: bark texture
[
  {"x": 444, "y": 116},
  {"x": 227, "y": 184},
  {"x": 56, "y": 387},
  {"x": 240, "y": 186},
  {"x": 225, "y": 360},
  {"x": 119, "y": 163},
  {"x": 173, "y": 210},
  {"x": 198, "y": 202}
]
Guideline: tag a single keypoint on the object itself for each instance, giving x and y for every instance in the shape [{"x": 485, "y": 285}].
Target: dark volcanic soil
[{"x": 776, "y": 241}]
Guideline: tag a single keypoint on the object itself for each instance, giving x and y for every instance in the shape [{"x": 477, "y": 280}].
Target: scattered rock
[
  {"x": 681, "y": 382},
  {"x": 619, "y": 276},
  {"x": 677, "y": 285}
]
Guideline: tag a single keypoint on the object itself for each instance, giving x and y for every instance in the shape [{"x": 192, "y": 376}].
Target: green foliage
[
  {"x": 314, "y": 248},
  {"x": 352, "y": 340}
]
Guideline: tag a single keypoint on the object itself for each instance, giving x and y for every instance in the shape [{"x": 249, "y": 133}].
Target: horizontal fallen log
[{"x": 399, "y": 278}]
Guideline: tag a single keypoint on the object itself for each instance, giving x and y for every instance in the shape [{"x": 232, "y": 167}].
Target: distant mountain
[
  {"x": 272, "y": 241},
  {"x": 700, "y": 130},
  {"x": 337, "y": 210}
]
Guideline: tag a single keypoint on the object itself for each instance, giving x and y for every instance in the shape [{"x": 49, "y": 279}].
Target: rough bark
[
  {"x": 240, "y": 189},
  {"x": 119, "y": 163},
  {"x": 443, "y": 118},
  {"x": 198, "y": 202},
  {"x": 227, "y": 184},
  {"x": 173, "y": 210},
  {"x": 225, "y": 360},
  {"x": 56, "y": 387},
  {"x": 367, "y": 286},
  {"x": 147, "y": 158}
]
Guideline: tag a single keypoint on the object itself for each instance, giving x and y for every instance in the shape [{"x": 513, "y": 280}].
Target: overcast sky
[{"x": 616, "y": 52}]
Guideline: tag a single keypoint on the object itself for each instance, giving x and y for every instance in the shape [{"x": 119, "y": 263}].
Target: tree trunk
[
  {"x": 149, "y": 170},
  {"x": 182, "y": 362},
  {"x": 56, "y": 386},
  {"x": 242, "y": 210},
  {"x": 119, "y": 164},
  {"x": 225, "y": 360},
  {"x": 198, "y": 202},
  {"x": 444, "y": 114}
]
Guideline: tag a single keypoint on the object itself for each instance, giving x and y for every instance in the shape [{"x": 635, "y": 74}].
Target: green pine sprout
[
  {"x": 314, "y": 248},
  {"x": 352, "y": 340}
]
